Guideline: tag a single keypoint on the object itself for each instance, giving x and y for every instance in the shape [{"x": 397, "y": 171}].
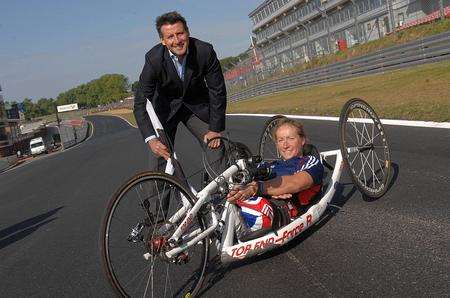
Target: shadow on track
[
  {"x": 216, "y": 270},
  {"x": 24, "y": 228},
  {"x": 393, "y": 179}
]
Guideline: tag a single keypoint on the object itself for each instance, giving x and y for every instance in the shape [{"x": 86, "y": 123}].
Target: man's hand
[
  {"x": 159, "y": 148},
  {"x": 210, "y": 135},
  {"x": 240, "y": 193}
]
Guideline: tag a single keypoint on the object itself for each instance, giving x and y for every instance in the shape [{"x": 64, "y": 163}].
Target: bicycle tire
[
  {"x": 361, "y": 134},
  {"x": 266, "y": 146},
  {"x": 150, "y": 188}
]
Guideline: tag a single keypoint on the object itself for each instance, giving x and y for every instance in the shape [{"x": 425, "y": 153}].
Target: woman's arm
[
  {"x": 286, "y": 184},
  {"x": 280, "y": 187}
]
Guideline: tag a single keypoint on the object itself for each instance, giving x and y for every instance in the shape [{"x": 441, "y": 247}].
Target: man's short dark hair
[{"x": 169, "y": 18}]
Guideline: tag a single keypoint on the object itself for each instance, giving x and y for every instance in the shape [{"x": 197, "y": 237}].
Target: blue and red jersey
[
  {"x": 258, "y": 212},
  {"x": 309, "y": 164}
]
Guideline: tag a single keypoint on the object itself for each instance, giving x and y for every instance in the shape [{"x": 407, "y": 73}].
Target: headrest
[{"x": 310, "y": 149}]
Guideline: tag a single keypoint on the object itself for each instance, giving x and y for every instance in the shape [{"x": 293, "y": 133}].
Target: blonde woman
[{"x": 295, "y": 178}]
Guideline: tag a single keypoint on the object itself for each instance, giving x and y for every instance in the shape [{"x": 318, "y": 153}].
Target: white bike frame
[{"x": 228, "y": 250}]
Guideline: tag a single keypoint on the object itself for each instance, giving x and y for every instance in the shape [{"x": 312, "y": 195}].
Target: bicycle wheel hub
[{"x": 156, "y": 244}]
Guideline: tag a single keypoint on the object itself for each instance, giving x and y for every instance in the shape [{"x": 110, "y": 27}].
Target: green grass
[
  {"x": 124, "y": 113},
  {"x": 417, "y": 93},
  {"x": 130, "y": 118}
]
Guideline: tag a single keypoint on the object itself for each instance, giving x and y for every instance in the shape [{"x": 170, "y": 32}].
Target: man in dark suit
[{"x": 183, "y": 79}]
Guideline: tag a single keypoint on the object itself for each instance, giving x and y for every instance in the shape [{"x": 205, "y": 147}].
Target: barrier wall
[{"x": 73, "y": 132}]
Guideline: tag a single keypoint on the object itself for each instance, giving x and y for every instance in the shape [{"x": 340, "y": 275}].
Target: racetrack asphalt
[{"x": 399, "y": 245}]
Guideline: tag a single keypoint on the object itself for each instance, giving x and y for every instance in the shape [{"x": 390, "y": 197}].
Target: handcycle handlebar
[{"x": 255, "y": 170}]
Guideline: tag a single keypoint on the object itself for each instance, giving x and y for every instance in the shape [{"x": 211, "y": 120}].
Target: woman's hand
[
  {"x": 240, "y": 193},
  {"x": 282, "y": 197}
]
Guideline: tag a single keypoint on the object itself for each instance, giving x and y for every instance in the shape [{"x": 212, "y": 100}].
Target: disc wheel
[
  {"x": 267, "y": 148},
  {"x": 364, "y": 147},
  {"x": 138, "y": 222}
]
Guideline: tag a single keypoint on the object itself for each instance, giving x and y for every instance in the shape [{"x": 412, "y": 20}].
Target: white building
[{"x": 293, "y": 31}]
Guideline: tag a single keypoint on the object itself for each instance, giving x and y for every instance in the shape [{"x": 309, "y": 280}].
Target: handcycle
[{"x": 158, "y": 231}]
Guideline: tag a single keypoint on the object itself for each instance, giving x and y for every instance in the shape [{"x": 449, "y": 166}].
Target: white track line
[
  {"x": 92, "y": 131},
  {"x": 430, "y": 124},
  {"x": 384, "y": 121}
]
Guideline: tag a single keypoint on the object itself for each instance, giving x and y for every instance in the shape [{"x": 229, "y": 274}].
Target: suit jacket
[{"x": 203, "y": 90}]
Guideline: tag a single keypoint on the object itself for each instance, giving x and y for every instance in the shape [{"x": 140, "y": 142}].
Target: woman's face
[{"x": 288, "y": 141}]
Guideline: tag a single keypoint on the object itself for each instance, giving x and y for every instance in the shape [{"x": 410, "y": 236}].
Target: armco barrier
[{"x": 431, "y": 49}]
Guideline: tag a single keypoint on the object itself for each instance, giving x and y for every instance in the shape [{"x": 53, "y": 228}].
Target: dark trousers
[{"x": 197, "y": 128}]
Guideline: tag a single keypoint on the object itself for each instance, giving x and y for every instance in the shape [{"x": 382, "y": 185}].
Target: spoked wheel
[
  {"x": 267, "y": 147},
  {"x": 139, "y": 221},
  {"x": 364, "y": 148}
]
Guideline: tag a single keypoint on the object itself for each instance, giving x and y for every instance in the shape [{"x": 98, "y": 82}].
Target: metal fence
[
  {"x": 431, "y": 49},
  {"x": 353, "y": 22}
]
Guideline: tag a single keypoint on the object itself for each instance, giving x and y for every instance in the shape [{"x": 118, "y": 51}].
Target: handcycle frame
[{"x": 224, "y": 222}]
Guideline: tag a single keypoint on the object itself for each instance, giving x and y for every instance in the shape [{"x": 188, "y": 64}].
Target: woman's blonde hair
[{"x": 286, "y": 121}]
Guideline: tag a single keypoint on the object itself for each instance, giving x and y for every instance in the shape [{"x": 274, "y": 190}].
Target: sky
[{"x": 50, "y": 46}]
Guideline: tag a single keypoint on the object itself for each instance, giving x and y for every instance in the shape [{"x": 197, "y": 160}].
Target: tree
[
  {"x": 45, "y": 106},
  {"x": 104, "y": 90},
  {"x": 134, "y": 86},
  {"x": 29, "y": 109},
  {"x": 228, "y": 63}
]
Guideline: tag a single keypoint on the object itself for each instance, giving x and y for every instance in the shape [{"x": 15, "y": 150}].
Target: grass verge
[
  {"x": 124, "y": 113},
  {"x": 416, "y": 93}
]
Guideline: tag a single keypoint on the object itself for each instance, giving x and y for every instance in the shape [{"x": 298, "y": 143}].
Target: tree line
[
  {"x": 228, "y": 63},
  {"x": 102, "y": 91}
]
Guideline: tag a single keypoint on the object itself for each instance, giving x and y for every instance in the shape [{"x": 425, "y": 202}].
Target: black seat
[
  {"x": 280, "y": 213},
  {"x": 310, "y": 149}
]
